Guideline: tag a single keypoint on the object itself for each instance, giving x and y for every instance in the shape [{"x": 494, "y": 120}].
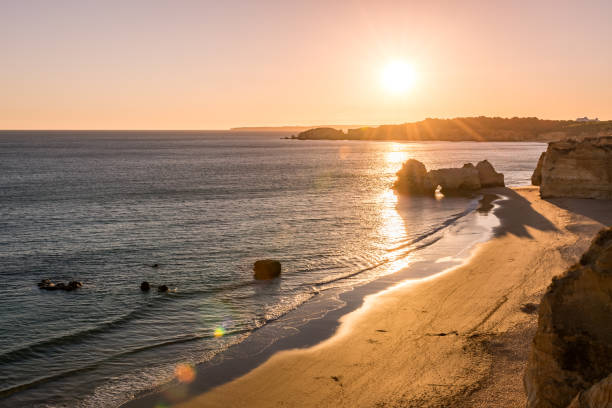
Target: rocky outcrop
[
  {"x": 572, "y": 348},
  {"x": 488, "y": 176},
  {"x": 266, "y": 269},
  {"x": 598, "y": 396},
  {"x": 456, "y": 180},
  {"x": 46, "y": 284},
  {"x": 576, "y": 169},
  {"x": 413, "y": 178},
  {"x": 536, "y": 177}
]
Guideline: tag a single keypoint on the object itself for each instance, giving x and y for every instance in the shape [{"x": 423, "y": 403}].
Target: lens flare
[
  {"x": 184, "y": 373},
  {"x": 219, "y": 332}
]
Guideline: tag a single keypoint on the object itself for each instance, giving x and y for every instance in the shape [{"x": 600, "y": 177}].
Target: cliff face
[
  {"x": 572, "y": 348},
  {"x": 576, "y": 169}
]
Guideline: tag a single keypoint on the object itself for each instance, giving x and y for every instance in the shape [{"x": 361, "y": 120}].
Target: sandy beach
[{"x": 458, "y": 339}]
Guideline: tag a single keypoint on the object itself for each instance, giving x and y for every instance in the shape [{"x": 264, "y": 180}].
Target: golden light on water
[{"x": 185, "y": 373}]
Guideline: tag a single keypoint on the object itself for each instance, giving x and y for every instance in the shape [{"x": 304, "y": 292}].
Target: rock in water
[
  {"x": 536, "y": 177},
  {"x": 598, "y": 396},
  {"x": 488, "y": 176},
  {"x": 572, "y": 348},
  {"x": 145, "y": 287},
  {"x": 412, "y": 179},
  {"x": 456, "y": 180},
  {"x": 266, "y": 269},
  {"x": 577, "y": 169},
  {"x": 162, "y": 288}
]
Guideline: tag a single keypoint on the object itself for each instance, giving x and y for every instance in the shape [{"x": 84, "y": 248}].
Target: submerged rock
[
  {"x": 266, "y": 269},
  {"x": 488, "y": 176},
  {"x": 573, "y": 168},
  {"x": 46, "y": 284},
  {"x": 572, "y": 348}
]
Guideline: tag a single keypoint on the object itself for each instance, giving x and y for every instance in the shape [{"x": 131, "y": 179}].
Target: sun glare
[{"x": 398, "y": 77}]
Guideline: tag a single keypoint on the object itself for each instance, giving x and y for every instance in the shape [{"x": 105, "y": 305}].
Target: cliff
[
  {"x": 573, "y": 168},
  {"x": 571, "y": 354},
  {"x": 470, "y": 129}
]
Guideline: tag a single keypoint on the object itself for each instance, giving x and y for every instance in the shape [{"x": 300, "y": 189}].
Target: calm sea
[{"x": 102, "y": 207}]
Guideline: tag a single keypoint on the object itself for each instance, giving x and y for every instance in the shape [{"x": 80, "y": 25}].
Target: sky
[{"x": 182, "y": 64}]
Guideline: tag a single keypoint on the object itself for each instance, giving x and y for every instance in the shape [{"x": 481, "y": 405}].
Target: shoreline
[
  {"x": 318, "y": 319},
  {"x": 476, "y": 318}
]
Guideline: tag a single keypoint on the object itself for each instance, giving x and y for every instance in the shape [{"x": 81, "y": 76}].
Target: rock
[
  {"x": 154, "y": 265},
  {"x": 598, "y": 396},
  {"x": 577, "y": 169},
  {"x": 456, "y": 180},
  {"x": 412, "y": 179},
  {"x": 145, "y": 287},
  {"x": 162, "y": 288},
  {"x": 266, "y": 269},
  {"x": 572, "y": 348},
  {"x": 536, "y": 177},
  {"x": 46, "y": 284},
  {"x": 488, "y": 176}
]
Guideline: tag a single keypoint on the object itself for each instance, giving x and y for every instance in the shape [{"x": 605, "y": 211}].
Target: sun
[{"x": 398, "y": 77}]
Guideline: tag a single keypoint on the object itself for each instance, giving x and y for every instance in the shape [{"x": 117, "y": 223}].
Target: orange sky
[{"x": 210, "y": 65}]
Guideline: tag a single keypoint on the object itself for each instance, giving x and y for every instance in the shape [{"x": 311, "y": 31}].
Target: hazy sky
[{"x": 181, "y": 64}]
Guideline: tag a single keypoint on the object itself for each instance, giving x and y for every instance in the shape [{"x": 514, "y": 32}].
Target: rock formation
[
  {"x": 46, "y": 284},
  {"x": 266, "y": 269},
  {"x": 536, "y": 177},
  {"x": 456, "y": 180},
  {"x": 413, "y": 178},
  {"x": 576, "y": 169},
  {"x": 488, "y": 176},
  {"x": 598, "y": 396},
  {"x": 572, "y": 348}
]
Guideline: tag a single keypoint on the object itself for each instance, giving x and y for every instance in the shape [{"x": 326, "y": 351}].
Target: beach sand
[{"x": 458, "y": 339}]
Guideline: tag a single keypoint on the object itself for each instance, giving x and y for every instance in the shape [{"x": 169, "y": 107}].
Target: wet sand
[{"x": 457, "y": 339}]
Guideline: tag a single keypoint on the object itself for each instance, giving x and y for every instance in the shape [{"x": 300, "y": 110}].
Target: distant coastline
[
  {"x": 292, "y": 128},
  {"x": 481, "y": 128}
]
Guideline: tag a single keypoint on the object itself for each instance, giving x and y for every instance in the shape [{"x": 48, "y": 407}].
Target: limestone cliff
[
  {"x": 576, "y": 169},
  {"x": 572, "y": 348}
]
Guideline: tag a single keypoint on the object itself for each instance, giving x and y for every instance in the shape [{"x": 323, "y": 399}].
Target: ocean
[{"x": 103, "y": 207}]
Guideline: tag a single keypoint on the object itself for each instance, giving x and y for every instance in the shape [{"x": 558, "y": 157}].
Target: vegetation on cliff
[{"x": 469, "y": 129}]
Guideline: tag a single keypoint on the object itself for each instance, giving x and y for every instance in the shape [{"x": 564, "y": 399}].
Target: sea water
[{"x": 103, "y": 207}]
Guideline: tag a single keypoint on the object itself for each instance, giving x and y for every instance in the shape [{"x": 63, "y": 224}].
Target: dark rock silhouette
[
  {"x": 488, "y": 176},
  {"x": 572, "y": 348},
  {"x": 145, "y": 287},
  {"x": 536, "y": 177},
  {"x": 162, "y": 288},
  {"x": 413, "y": 178},
  {"x": 154, "y": 265},
  {"x": 266, "y": 269},
  {"x": 46, "y": 284}
]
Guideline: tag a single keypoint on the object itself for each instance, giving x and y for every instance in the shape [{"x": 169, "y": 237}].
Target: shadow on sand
[
  {"x": 596, "y": 210},
  {"x": 517, "y": 225}
]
